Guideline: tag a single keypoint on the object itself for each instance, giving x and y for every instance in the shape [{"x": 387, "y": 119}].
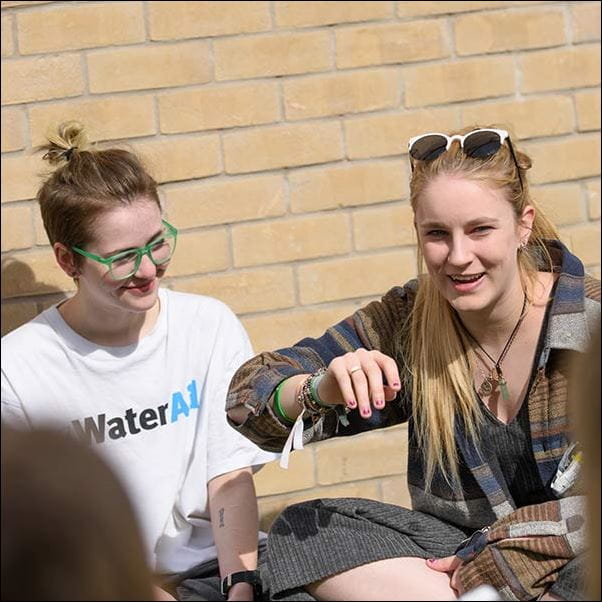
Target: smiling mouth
[
  {"x": 142, "y": 285},
  {"x": 466, "y": 279}
]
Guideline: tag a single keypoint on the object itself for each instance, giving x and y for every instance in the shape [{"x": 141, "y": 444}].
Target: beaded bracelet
[
  {"x": 314, "y": 383},
  {"x": 309, "y": 401}
]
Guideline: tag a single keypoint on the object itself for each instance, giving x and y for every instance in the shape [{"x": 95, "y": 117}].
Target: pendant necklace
[{"x": 496, "y": 376}]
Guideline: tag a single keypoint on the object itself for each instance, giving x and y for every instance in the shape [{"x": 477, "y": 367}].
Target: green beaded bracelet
[
  {"x": 314, "y": 382},
  {"x": 278, "y": 406}
]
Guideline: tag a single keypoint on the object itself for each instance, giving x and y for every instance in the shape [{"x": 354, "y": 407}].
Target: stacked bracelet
[
  {"x": 314, "y": 383},
  {"x": 308, "y": 398}
]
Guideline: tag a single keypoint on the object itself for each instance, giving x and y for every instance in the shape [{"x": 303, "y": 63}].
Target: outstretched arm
[
  {"x": 235, "y": 523},
  {"x": 358, "y": 353}
]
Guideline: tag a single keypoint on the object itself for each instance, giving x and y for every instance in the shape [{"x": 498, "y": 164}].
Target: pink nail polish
[
  {"x": 366, "y": 412},
  {"x": 351, "y": 403}
]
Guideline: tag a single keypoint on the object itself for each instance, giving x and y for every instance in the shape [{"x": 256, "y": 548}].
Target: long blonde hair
[{"x": 433, "y": 346}]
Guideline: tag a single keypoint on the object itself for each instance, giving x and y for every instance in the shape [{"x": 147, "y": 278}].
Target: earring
[{"x": 522, "y": 246}]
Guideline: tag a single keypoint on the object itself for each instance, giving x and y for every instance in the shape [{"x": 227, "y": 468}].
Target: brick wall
[{"x": 278, "y": 132}]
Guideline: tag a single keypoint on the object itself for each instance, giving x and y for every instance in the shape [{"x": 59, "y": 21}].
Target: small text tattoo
[{"x": 221, "y": 517}]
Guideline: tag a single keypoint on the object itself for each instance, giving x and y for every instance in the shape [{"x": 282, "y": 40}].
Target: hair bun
[{"x": 69, "y": 137}]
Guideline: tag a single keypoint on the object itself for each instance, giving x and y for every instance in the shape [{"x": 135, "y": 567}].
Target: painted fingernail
[
  {"x": 351, "y": 403},
  {"x": 431, "y": 560},
  {"x": 379, "y": 403},
  {"x": 366, "y": 412},
  {"x": 396, "y": 385}
]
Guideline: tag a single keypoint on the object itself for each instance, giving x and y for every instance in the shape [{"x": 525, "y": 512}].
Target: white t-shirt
[{"x": 154, "y": 409}]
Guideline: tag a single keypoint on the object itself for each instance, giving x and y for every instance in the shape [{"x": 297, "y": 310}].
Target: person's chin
[{"x": 466, "y": 304}]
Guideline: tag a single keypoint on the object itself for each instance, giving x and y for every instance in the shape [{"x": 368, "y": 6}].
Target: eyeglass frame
[
  {"x": 503, "y": 134},
  {"x": 140, "y": 251}
]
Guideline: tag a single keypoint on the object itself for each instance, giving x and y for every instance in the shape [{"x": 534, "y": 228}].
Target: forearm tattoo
[{"x": 221, "y": 517}]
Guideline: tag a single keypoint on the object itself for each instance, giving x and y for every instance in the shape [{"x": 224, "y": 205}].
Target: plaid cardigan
[{"x": 483, "y": 496}]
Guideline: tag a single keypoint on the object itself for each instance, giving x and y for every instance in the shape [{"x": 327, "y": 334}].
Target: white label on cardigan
[{"x": 294, "y": 441}]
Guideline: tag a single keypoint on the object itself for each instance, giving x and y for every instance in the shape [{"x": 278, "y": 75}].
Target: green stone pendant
[{"x": 504, "y": 389}]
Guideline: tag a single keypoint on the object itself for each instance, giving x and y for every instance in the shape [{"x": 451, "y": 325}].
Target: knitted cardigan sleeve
[
  {"x": 374, "y": 326},
  {"x": 528, "y": 550}
]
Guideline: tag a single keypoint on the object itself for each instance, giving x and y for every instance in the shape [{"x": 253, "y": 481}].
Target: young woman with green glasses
[{"x": 139, "y": 372}]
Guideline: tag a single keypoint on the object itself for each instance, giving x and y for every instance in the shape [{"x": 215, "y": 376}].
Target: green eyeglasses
[{"x": 125, "y": 264}]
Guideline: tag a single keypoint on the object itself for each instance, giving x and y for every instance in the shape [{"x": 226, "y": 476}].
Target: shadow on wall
[{"x": 23, "y": 296}]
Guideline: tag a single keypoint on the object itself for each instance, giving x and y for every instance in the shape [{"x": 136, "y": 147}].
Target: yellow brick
[
  {"x": 354, "y": 276},
  {"x": 73, "y": 27},
  {"x": 390, "y": 226},
  {"x": 13, "y": 130},
  {"x": 353, "y": 458},
  {"x": 20, "y": 179},
  {"x": 6, "y": 4},
  {"x": 341, "y": 93},
  {"x": 272, "y": 480},
  {"x": 395, "y": 491},
  {"x": 528, "y": 118},
  {"x": 593, "y": 199},
  {"x": 561, "y": 203},
  {"x": 588, "y": 110},
  {"x": 391, "y": 43},
  {"x": 175, "y": 158},
  {"x": 199, "y": 252},
  {"x": 352, "y": 184},
  {"x": 34, "y": 273},
  {"x": 7, "y": 35},
  {"x": 41, "y": 237},
  {"x": 283, "y": 329},
  {"x": 109, "y": 118},
  {"x": 271, "y": 55},
  {"x": 290, "y": 240},
  {"x": 565, "y": 159},
  {"x": 586, "y": 21},
  {"x": 264, "y": 289},
  {"x": 585, "y": 243},
  {"x": 226, "y": 201},
  {"x": 463, "y": 80},
  {"x": 560, "y": 69},
  {"x": 282, "y": 146},
  {"x": 594, "y": 272},
  {"x": 42, "y": 78},
  {"x": 383, "y": 135},
  {"x": 219, "y": 107},
  {"x": 16, "y": 314},
  {"x": 17, "y": 231},
  {"x": 415, "y": 9},
  {"x": 177, "y": 20},
  {"x": 501, "y": 31},
  {"x": 160, "y": 66},
  {"x": 311, "y": 14},
  {"x": 271, "y": 507}
]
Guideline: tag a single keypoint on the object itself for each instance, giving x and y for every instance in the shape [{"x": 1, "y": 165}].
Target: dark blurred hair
[{"x": 68, "y": 529}]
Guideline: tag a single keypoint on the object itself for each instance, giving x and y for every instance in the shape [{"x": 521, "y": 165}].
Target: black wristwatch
[{"x": 251, "y": 577}]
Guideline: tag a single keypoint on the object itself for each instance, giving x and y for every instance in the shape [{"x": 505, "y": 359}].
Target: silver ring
[{"x": 354, "y": 369}]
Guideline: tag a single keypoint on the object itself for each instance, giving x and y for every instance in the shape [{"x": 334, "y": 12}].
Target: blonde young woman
[
  {"x": 140, "y": 372},
  {"x": 472, "y": 355}
]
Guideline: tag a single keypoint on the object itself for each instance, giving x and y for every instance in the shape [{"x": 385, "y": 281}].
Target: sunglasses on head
[{"x": 478, "y": 144}]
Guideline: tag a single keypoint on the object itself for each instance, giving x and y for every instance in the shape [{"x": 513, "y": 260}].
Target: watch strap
[{"x": 251, "y": 577}]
